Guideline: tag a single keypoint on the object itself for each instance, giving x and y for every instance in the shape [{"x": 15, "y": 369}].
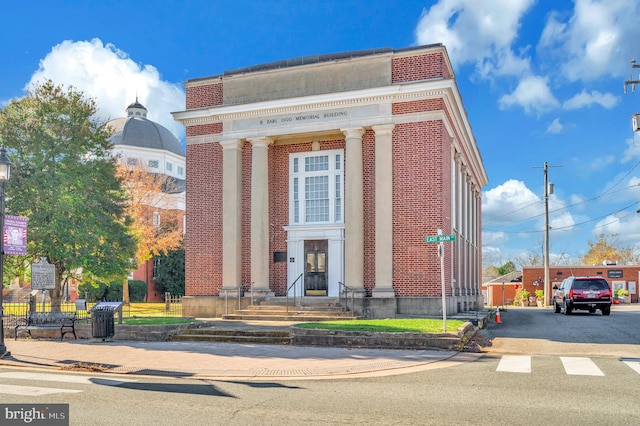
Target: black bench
[{"x": 63, "y": 321}]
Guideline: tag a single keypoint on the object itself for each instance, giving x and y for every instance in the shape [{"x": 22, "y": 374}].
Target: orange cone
[{"x": 498, "y": 316}]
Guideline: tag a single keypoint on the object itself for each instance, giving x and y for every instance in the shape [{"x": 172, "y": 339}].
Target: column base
[
  {"x": 260, "y": 294},
  {"x": 231, "y": 292},
  {"x": 383, "y": 292},
  {"x": 357, "y": 293}
]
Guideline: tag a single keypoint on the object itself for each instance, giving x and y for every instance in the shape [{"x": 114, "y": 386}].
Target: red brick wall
[
  {"x": 204, "y": 129},
  {"x": 369, "y": 194},
  {"x": 420, "y": 67},
  {"x": 204, "y": 95},
  {"x": 418, "y": 106},
  {"x": 420, "y": 203},
  {"x": 558, "y": 273},
  {"x": 203, "y": 240}
]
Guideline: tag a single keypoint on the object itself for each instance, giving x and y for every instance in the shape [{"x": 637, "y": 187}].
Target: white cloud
[
  {"x": 555, "y": 126},
  {"x": 532, "y": 94},
  {"x": 476, "y": 32},
  {"x": 584, "y": 99},
  {"x": 491, "y": 237},
  {"x": 599, "y": 38},
  {"x": 563, "y": 221},
  {"x": 632, "y": 153},
  {"x": 512, "y": 201},
  {"x": 108, "y": 74},
  {"x": 626, "y": 226}
]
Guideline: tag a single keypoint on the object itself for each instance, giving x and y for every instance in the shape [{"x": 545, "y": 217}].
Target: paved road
[{"x": 541, "y": 331}]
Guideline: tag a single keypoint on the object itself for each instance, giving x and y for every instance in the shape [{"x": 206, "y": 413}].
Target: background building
[
  {"x": 316, "y": 174},
  {"x": 140, "y": 142}
]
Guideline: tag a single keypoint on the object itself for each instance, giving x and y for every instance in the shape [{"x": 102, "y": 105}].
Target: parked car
[{"x": 582, "y": 293}]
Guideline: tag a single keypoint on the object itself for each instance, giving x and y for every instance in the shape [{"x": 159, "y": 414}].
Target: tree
[
  {"x": 506, "y": 268},
  {"x": 170, "y": 272},
  {"x": 64, "y": 180},
  {"x": 150, "y": 206},
  {"x": 602, "y": 250}
]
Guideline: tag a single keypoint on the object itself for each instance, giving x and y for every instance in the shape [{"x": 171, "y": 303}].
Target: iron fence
[{"x": 171, "y": 307}]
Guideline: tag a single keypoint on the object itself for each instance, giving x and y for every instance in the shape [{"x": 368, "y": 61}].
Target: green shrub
[{"x": 97, "y": 291}]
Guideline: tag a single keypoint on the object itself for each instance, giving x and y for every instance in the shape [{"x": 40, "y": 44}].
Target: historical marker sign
[{"x": 43, "y": 275}]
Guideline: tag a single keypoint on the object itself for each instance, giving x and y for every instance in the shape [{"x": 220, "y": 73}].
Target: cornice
[{"x": 431, "y": 89}]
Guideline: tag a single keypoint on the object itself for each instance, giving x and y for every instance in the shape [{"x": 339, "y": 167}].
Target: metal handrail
[
  {"x": 294, "y": 292},
  {"x": 343, "y": 290},
  {"x": 226, "y": 302}
]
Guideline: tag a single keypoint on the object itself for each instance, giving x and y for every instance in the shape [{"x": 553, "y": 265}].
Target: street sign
[{"x": 440, "y": 238}]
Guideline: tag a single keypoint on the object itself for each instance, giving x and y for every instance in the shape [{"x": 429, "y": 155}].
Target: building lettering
[{"x": 304, "y": 117}]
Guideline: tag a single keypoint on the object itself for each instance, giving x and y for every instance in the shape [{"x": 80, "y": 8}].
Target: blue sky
[{"x": 542, "y": 81}]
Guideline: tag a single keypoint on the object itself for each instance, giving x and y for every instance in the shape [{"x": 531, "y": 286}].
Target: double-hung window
[{"x": 316, "y": 187}]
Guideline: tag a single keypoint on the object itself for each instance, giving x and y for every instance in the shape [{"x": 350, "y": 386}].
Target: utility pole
[
  {"x": 631, "y": 82},
  {"x": 635, "y": 118},
  {"x": 548, "y": 189},
  {"x": 546, "y": 234}
]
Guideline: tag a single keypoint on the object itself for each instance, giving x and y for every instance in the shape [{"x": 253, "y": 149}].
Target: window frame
[{"x": 334, "y": 186}]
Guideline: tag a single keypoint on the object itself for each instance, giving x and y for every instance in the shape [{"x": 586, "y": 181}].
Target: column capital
[
  {"x": 232, "y": 144},
  {"x": 261, "y": 142},
  {"x": 355, "y": 132},
  {"x": 383, "y": 129}
]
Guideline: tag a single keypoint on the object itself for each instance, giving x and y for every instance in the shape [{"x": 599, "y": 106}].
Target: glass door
[{"x": 315, "y": 269}]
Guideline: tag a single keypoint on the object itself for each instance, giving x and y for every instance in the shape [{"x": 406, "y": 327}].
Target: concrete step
[
  {"x": 282, "y": 308},
  {"x": 316, "y": 310},
  {"x": 232, "y": 336},
  {"x": 229, "y": 339},
  {"x": 291, "y": 317},
  {"x": 235, "y": 332},
  {"x": 294, "y": 312}
]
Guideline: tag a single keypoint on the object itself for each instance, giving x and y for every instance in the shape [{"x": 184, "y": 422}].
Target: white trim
[
  {"x": 296, "y": 236},
  {"x": 301, "y": 174}
]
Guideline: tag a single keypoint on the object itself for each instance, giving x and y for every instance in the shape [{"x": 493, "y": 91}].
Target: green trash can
[{"x": 102, "y": 323}]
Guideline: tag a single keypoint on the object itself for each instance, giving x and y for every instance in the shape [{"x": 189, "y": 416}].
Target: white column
[
  {"x": 231, "y": 217},
  {"x": 354, "y": 210},
  {"x": 384, "y": 210},
  {"x": 260, "y": 215}
]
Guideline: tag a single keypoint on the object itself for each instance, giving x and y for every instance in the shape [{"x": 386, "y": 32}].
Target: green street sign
[{"x": 440, "y": 238}]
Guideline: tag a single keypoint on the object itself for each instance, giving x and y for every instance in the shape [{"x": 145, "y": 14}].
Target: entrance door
[{"x": 315, "y": 269}]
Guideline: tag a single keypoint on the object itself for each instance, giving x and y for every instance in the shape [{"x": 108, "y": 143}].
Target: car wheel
[
  {"x": 606, "y": 311},
  {"x": 556, "y": 307},
  {"x": 567, "y": 309}
]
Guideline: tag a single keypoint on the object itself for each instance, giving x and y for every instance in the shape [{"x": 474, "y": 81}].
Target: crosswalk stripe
[
  {"x": 33, "y": 390},
  {"x": 634, "y": 363},
  {"x": 46, "y": 377},
  {"x": 64, "y": 378},
  {"x": 515, "y": 364},
  {"x": 580, "y": 366}
]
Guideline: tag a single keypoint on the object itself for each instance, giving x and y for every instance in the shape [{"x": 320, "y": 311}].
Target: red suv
[{"x": 585, "y": 293}]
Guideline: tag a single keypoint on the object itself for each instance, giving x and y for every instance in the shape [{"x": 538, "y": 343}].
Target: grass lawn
[{"x": 402, "y": 325}]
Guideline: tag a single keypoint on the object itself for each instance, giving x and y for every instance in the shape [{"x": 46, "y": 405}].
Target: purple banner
[{"x": 15, "y": 235}]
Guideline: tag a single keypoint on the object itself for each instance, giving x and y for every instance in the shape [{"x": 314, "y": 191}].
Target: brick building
[
  {"x": 502, "y": 291},
  {"x": 308, "y": 175},
  {"x": 618, "y": 276}
]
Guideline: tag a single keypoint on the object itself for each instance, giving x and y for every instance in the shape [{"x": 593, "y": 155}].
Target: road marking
[
  {"x": 515, "y": 364},
  {"x": 634, "y": 363},
  {"x": 580, "y": 366},
  {"x": 64, "y": 378},
  {"x": 32, "y": 390}
]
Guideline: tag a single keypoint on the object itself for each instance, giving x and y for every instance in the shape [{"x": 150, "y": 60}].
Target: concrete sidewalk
[{"x": 223, "y": 361}]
